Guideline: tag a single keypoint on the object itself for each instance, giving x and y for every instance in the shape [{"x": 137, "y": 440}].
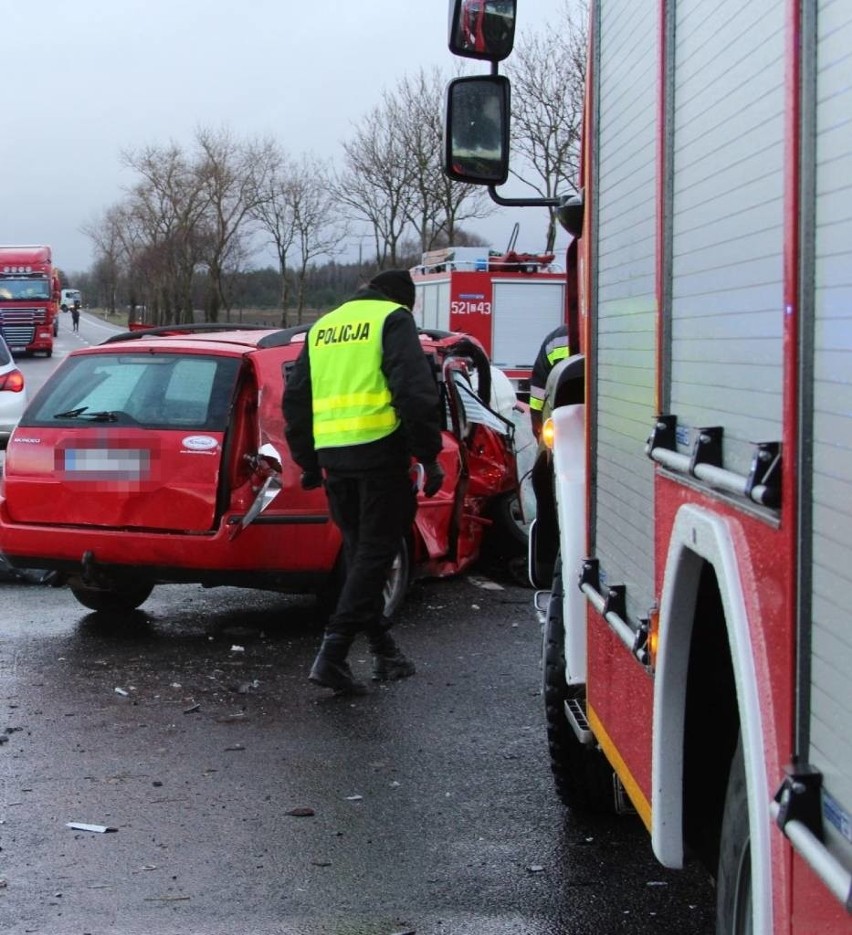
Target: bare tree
[
  {"x": 437, "y": 205},
  {"x": 273, "y": 212},
  {"x": 166, "y": 208},
  {"x": 376, "y": 184},
  {"x": 232, "y": 175},
  {"x": 315, "y": 221},
  {"x": 548, "y": 80}
]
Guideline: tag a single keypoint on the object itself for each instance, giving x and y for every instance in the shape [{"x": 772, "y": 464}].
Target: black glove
[
  {"x": 311, "y": 479},
  {"x": 434, "y": 478}
]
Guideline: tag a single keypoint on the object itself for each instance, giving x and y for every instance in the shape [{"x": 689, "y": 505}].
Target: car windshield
[{"x": 152, "y": 390}]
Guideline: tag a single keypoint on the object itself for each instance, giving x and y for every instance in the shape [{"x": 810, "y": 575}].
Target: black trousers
[{"x": 373, "y": 513}]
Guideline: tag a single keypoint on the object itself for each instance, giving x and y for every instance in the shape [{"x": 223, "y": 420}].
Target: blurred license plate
[{"x": 108, "y": 462}]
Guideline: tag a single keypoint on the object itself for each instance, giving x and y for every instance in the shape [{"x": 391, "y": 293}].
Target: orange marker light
[{"x": 548, "y": 433}]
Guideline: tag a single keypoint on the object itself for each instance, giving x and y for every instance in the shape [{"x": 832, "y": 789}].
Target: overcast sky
[{"x": 86, "y": 79}]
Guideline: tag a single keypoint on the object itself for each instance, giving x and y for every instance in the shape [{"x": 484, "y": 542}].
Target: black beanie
[{"x": 397, "y": 285}]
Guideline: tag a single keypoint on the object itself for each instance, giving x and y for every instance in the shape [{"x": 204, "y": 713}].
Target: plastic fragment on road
[
  {"x": 302, "y": 811},
  {"x": 121, "y": 691},
  {"x": 354, "y": 798},
  {"x": 84, "y": 826},
  {"x": 485, "y": 583}
]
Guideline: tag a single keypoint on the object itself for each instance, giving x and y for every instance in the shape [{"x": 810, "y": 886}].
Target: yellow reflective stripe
[
  {"x": 347, "y": 400},
  {"x": 537, "y": 404},
  {"x": 558, "y": 353},
  {"x": 327, "y": 427}
]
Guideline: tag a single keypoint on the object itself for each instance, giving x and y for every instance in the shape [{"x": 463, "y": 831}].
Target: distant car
[
  {"x": 13, "y": 392},
  {"x": 159, "y": 457}
]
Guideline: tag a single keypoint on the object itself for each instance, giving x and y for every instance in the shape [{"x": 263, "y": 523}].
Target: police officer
[
  {"x": 360, "y": 402},
  {"x": 553, "y": 348}
]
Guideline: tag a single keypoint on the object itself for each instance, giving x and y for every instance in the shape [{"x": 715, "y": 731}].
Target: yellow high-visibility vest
[{"x": 351, "y": 397}]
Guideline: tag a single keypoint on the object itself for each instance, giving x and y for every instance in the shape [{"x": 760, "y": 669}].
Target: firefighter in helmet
[{"x": 553, "y": 348}]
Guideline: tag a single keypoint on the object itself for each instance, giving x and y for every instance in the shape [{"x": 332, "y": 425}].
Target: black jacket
[{"x": 414, "y": 396}]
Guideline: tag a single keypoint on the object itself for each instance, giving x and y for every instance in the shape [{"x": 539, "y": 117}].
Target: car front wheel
[{"x": 110, "y": 600}]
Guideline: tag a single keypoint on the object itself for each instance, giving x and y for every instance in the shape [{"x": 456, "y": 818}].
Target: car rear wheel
[
  {"x": 394, "y": 590},
  {"x": 396, "y": 586},
  {"x": 584, "y": 779},
  {"x": 110, "y": 600}
]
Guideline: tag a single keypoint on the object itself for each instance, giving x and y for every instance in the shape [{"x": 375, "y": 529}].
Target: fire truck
[
  {"x": 29, "y": 295},
  {"x": 693, "y": 539},
  {"x": 507, "y": 301}
]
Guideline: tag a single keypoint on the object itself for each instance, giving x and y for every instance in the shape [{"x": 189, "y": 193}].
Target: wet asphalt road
[{"x": 431, "y": 804}]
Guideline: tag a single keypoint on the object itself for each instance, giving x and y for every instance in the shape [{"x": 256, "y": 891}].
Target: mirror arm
[{"x": 523, "y": 202}]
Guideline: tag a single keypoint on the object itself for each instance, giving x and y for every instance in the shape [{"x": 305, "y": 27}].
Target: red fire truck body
[
  {"x": 507, "y": 303},
  {"x": 693, "y": 539},
  {"x": 29, "y": 294}
]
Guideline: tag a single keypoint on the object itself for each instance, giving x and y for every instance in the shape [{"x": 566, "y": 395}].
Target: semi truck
[
  {"x": 693, "y": 540},
  {"x": 29, "y": 299},
  {"x": 70, "y": 298}
]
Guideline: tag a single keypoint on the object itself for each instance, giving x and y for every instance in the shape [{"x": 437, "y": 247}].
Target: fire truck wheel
[
  {"x": 110, "y": 600},
  {"x": 733, "y": 880},
  {"x": 583, "y": 777}
]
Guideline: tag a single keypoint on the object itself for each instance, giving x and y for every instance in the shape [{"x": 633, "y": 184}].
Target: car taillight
[{"x": 12, "y": 381}]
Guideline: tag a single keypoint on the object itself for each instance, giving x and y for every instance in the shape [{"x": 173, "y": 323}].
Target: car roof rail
[
  {"x": 283, "y": 336},
  {"x": 193, "y": 328}
]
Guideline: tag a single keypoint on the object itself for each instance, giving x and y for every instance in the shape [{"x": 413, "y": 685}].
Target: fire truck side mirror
[
  {"x": 483, "y": 29},
  {"x": 476, "y": 130}
]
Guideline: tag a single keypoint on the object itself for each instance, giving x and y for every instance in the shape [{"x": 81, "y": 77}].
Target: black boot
[
  {"x": 389, "y": 663},
  {"x": 331, "y": 670}
]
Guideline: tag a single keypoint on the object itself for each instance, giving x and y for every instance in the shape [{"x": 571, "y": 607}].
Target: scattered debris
[
  {"x": 238, "y": 649},
  {"x": 535, "y": 868},
  {"x": 121, "y": 691},
  {"x": 485, "y": 583},
  {"x": 354, "y": 798},
  {"x": 192, "y": 708},
  {"x": 302, "y": 811},
  {"x": 231, "y": 718},
  {"x": 236, "y": 748},
  {"x": 321, "y": 863},
  {"x": 83, "y": 826},
  {"x": 656, "y": 883}
]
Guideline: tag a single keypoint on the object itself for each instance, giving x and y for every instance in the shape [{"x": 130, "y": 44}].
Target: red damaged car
[{"x": 159, "y": 457}]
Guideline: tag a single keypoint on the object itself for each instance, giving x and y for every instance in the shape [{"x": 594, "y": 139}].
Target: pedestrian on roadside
[
  {"x": 359, "y": 404},
  {"x": 553, "y": 348},
  {"x": 75, "y": 316}
]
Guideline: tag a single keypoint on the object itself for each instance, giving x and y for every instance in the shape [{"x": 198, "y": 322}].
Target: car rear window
[{"x": 152, "y": 390}]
